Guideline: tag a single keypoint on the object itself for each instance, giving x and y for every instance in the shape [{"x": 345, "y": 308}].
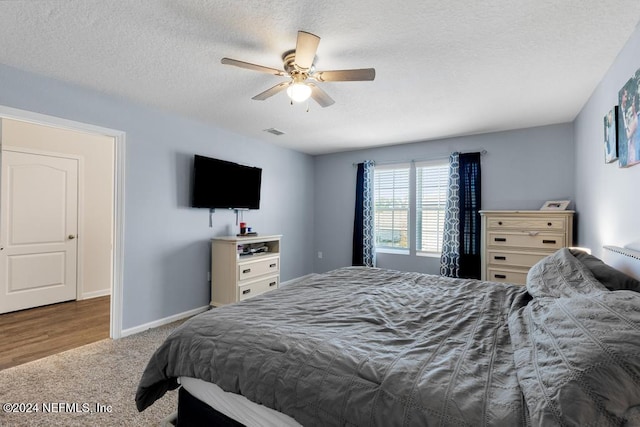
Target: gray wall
[
  {"x": 606, "y": 195},
  {"x": 166, "y": 252},
  {"x": 521, "y": 170}
]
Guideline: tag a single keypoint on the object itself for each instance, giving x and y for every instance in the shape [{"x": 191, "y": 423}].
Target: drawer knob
[
  {"x": 272, "y": 265},
  {"x": 500, "y": 239},
  {"x": 246, "y": 291},
  {"x": 499, "y": 222},
  {"x": 246, "y": 270},
  {"x": 552, "y": 242},
  {"x": 500, "y": 276},
  {"x": 549, "y": 224},
  {"x": 500, "y": 258},
  {"x": 272, "y": 284}
]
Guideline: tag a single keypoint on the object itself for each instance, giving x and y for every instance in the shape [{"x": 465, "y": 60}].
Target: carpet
[{"x": 93, "y": 385}]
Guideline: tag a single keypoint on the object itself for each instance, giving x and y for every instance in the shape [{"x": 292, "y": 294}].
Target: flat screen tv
[{"x": 222, "y": 184}]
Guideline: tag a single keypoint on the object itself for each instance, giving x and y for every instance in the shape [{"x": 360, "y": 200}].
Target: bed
[{"x": 364, "y": 346}]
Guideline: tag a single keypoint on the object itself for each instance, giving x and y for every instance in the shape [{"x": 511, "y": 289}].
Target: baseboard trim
[
  {"x": 96, "y": 294},
  {"x": 179, "y": 316},
  {"x": 162, "y": 322},
  {"x": 297, "y": 279}
]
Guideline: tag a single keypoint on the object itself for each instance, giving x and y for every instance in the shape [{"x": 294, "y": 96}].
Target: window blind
[
  {"x": 432, "y": 180},
  {"x": 391, "y": 200}
]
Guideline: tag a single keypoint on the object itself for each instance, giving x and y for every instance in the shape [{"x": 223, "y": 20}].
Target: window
[
  {"x": 391, "y": 200},
  {"x": 410, "y": 200},
  {"x": 432, "y": 180}
]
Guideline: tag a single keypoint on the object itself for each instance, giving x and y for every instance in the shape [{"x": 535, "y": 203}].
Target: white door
[{"x": 38, "y": 230}]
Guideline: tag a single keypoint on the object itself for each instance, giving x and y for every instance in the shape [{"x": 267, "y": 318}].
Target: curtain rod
[{"x": 390, "y": 162}]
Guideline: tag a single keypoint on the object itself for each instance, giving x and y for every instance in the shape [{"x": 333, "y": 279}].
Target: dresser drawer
[
  {"x": 255, "y": 268},
  {"x": 551, "y": 224},
  {"x": 257, "y": 287},
  {"x": 515, "y": 259},
  {"x": 507, "y": 276},
  {"x": 533, "y": 240}
]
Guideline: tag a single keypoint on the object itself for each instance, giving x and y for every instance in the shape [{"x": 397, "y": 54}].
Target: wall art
[{"x": 628, "y": 133}]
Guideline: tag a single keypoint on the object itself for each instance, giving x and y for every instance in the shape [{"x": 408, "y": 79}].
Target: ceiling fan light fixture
[{"x": 299, "y": 92}]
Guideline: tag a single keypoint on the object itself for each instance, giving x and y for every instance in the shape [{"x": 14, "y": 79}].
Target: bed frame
[
  {"x": 193, "y": 412},
  {"x": 623, "y": 259}
]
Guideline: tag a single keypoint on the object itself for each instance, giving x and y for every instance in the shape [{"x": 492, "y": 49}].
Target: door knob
[{"x": 71, "y": 237}]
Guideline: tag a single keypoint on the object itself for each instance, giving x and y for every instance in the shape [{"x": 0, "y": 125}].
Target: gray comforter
[{"x": 371, "y": 347}]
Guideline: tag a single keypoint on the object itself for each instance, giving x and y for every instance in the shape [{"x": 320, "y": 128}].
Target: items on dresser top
[{"x": 513, "y": 241}]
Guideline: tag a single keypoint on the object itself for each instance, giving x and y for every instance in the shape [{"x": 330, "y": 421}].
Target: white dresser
[
  {"x": 243, "y": 267},
  {"x": 513, "y": 241}
]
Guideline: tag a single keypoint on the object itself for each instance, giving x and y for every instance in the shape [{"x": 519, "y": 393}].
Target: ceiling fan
[{"x": 298, "y": 66}]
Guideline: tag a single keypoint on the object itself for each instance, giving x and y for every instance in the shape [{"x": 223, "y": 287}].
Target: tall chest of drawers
[
  {"x": 243, "y": 267},
  {"x": 513, "y": 241}
]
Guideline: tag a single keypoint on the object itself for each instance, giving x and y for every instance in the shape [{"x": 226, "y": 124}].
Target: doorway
[{"x": 111, "y": 271}]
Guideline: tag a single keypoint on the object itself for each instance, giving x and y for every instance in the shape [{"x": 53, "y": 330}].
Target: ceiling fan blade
[
  {"x": 271, "y": 91},
  {"x": 363, "y": 74},
  {"x": 254, "y": 67},
  {"x": 320, "y": 96},
  {"x": 306, "y": 47}
]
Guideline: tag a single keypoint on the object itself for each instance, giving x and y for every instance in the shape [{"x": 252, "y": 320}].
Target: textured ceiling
[{"x": 443, "y": 68}]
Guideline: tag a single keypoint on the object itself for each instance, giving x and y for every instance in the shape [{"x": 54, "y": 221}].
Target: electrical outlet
[{"x": 319, "y": 254}]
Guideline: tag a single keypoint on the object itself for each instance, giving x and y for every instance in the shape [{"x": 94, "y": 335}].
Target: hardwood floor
[{"x": 39, "y": 332}]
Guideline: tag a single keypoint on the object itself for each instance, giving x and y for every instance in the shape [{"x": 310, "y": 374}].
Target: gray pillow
[
  {"x": 613, "y": 279},
  {"x": 577, "y": 359},
  {"x": 561, "y": 275}
]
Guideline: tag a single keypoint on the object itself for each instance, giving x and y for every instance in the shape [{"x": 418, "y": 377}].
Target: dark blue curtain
[
  {"x": 358, "y": 221},
  {"x": 470, "y": 196},
  {"x": 461, "y": 239},
  {"x": 363, "y": 245}
]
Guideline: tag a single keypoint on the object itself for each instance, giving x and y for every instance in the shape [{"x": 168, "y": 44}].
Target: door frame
[{"x": 119, "y": 137}]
